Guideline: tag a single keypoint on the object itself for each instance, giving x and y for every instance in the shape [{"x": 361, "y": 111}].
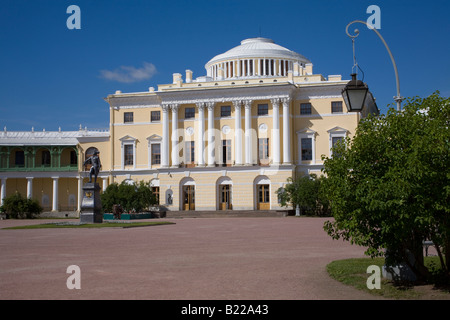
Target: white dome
[
  {"x": 255, "y": 58},
  {"x": 258, "y": 48}
]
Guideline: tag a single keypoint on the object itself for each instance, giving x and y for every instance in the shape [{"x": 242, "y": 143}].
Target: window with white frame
[
  {"x": 306, "y": 149},
  {"x": 190, "y": 152},
  {"x": 128, "y": 151},
  {"x": 336, "y": 134},
  {"x": 306, "y": 145},
  {"x": 128, "y": 155},
  {"x": 154, "y": 150}
]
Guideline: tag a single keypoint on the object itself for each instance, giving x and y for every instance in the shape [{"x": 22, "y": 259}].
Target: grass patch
[
  {"x": 353, "y": 272},
  {"x": 92, "y": 225}
]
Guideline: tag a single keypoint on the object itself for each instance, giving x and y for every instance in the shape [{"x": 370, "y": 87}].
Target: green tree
[
  {"x": 16, "y": 206},
  {"x": 132, "y": 197},
  {"x": 389, "y": 187},
  {"x": 305, "y": 192}
]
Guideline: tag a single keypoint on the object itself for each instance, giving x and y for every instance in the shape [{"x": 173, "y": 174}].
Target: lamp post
[{"x": 353, "y": 92}]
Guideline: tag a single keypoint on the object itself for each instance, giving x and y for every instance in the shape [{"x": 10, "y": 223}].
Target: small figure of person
[
  {"x": 96, "y": 165},
  {"x": 117, "y": 211}
]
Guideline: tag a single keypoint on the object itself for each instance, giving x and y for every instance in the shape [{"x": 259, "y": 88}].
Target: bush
[
  {"x": 134, "y": 197},
  {"x": 18, "y": 207},
  {"x": 307, "y": 193}
]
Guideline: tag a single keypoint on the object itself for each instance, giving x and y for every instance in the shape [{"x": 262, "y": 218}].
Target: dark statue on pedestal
[
  {"x": 96, "y": 165},
  {"x": 91, "y": 205}
]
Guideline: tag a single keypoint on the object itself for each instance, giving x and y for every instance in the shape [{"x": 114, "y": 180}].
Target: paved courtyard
[{"x": 196, "y": 258}]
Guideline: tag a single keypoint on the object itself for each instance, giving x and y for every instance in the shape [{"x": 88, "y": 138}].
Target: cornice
[{"x": 283, "y": 93}]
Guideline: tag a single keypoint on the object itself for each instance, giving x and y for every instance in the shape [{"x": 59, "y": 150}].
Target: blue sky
[{"x": 53, "y": 77}]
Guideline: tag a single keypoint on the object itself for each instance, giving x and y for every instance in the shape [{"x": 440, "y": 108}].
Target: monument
[{"x": 91, "y": 205}]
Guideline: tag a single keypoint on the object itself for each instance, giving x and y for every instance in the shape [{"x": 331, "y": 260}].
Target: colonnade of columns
[
  {"x": 239, "y": 140},
  {"x": 251, "y": 67},
  {"x": 55, "y": 190}
]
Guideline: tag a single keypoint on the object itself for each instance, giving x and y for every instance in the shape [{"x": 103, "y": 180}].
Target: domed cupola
[{"x": 255, "y": 58}]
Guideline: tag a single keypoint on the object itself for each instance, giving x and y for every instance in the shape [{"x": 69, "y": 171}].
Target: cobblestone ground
[{"x": 203, "y": 258}]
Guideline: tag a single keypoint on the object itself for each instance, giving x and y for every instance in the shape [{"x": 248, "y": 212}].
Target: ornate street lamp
[{"x": 354, "y": 93}]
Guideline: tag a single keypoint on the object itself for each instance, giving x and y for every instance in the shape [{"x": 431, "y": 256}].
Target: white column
[
  {"x": 264, "y": 67},
  {"x": 211, "y": 138},
  {"x": 2, "y": 190},
  {"x": 55, "y": 194},
  {"x": 238, "y": 75},
  {"x": 248, "y": 133},
  {"x": 29, "y": 188},
  {"x": 104, "y": 184},
  {"x": 286, "y": 132},
  {"x": 165, "y": 137},
  {"x": 201, "y": 134},
  {"x": 248, "y": 67},
  {"x": 237, "y": 133},
  {"x": 276, "y": 131},
  {"x": 80, "y": 193},
  {"x": 175, "y": 147}
]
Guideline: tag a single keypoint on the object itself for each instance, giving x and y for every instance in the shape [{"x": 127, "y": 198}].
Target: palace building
[{"x": 223, "y": 141}]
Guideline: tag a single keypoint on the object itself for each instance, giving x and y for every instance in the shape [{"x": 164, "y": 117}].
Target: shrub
[
  {"x": 306, "y": 192},
  {"x": 18, "y": 207},
  {"x": 132, "y": 197}
]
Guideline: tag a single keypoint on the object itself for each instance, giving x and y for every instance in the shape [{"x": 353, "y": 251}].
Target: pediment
[
  {"x": 154, "y": 137},
  {"x": 128, "y": 138},
  {"x": 337, "y": 129}
]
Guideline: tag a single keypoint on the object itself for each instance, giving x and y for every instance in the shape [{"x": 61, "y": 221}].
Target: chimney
[
  {"x": 296, "y": 69},
  {"x": 308, "y": 68},
  {"x": 177, "y": 79},
  {"x": 188, "y": 76}
]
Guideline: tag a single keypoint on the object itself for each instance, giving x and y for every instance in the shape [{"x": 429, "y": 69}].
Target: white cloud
[{"x": 128, "y": 74}]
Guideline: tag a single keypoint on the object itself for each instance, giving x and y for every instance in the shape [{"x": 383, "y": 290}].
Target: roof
[
  {"x": 60, "y": 138},
  {"x": 258, "y": 47}
]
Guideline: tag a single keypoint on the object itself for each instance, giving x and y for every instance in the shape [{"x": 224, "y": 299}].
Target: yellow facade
[{"x": 266, "y": 118}]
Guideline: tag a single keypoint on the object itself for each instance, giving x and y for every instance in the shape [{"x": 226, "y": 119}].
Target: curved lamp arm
[{"x": 398, "y": 98}]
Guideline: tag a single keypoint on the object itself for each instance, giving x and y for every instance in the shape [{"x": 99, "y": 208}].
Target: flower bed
[{"x": 129, "y": 216}]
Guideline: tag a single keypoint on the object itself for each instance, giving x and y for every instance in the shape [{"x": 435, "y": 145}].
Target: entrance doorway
[
  {"x": 189, "y": 197},
  {"x": 263, "y": 197},
  {"x": 225, "y": 197}
]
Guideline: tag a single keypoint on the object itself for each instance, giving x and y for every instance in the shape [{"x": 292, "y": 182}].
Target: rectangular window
[
  {"x": 306, "y": 149},
  {"x": 334, "y": 141},
  {"x": 155, "y": 116},
  {"x": 156, "y": 153},
  {"x": 128, "y": 117},
  {"x": 190, "y": 152},
  {"x": 226, "y": 151},
  {"x": 336, "y": 106},
  {"x": 128, "y": 149},
  {"x": 305, "y": 108},
  {"x": 225, "y": 111},
  {"x": 189, "y": 113},
  {"x": 263, "y": 150},
  {"x": 263, "y": 109}
]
